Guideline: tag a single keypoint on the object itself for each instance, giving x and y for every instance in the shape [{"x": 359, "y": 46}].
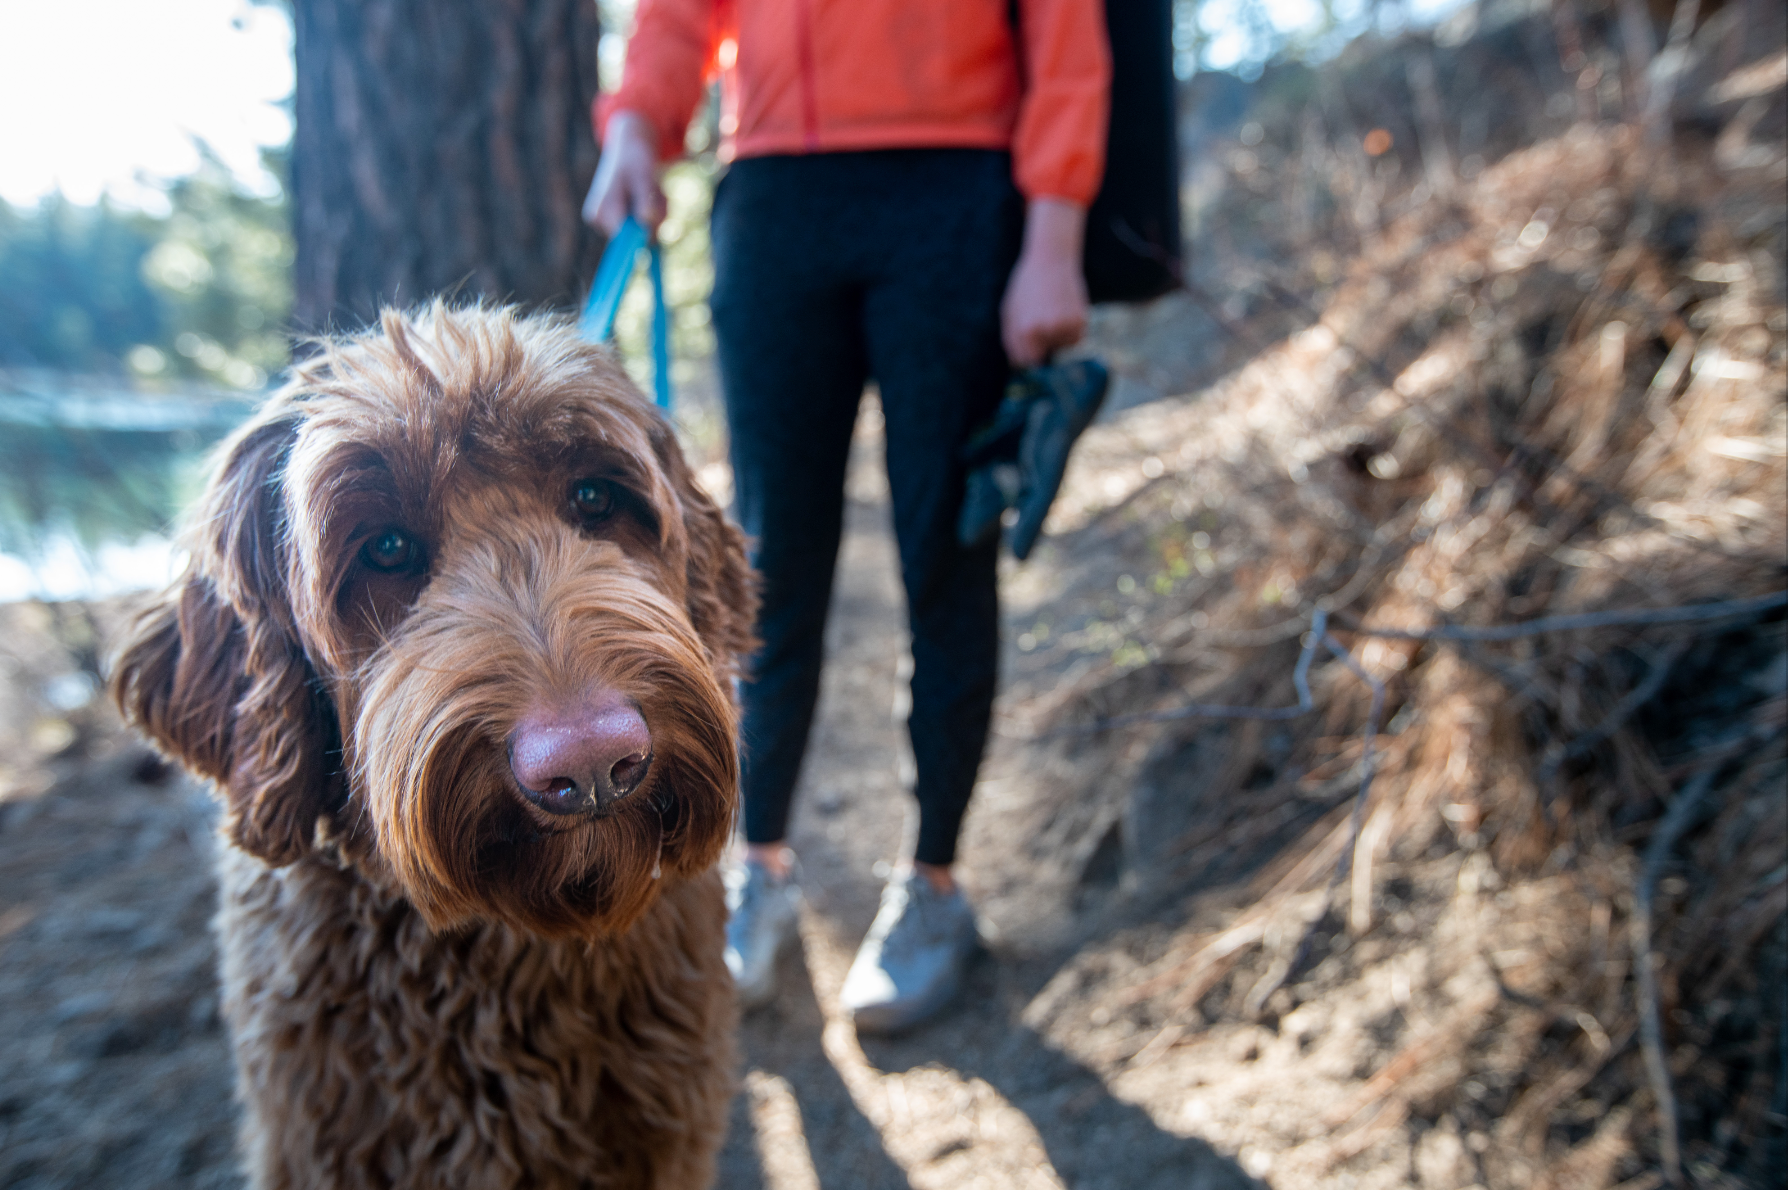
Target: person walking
[{"x": 905, "y": 201}]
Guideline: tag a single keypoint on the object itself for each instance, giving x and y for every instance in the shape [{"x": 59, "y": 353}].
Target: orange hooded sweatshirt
[{"x": 816, "y": 76}]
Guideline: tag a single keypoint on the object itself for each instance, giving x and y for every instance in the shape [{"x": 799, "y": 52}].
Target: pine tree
[{"x": 441, "y": 146}]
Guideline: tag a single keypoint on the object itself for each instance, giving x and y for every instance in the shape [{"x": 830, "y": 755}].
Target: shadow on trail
[
  {"x": 783, "y": 1040},
  {"x": 739, "y": 1167},
  {"x": 1094, "y": 1140}
]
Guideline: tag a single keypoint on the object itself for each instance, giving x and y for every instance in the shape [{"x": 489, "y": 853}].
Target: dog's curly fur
[{"x": 429, "y": 981}]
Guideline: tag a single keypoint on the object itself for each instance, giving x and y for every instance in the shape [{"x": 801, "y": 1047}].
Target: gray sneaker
[
  {"x": 912, "y": 961},
  {"x": 761, "y": 912}
]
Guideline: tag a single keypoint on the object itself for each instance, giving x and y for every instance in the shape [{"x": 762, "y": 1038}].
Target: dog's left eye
[
  {"x": 390, "y": 549},
  {"x": 594, "y": 499}
]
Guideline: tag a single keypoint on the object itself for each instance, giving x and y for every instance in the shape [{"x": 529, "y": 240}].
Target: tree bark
[{"x": 440, "y": 147}]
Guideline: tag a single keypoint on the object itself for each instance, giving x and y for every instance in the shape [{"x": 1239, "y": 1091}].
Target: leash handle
[{"x": 597, "y": 323}]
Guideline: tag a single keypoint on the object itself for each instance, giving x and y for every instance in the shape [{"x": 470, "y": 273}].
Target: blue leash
[{"x": 619, "y": 261}]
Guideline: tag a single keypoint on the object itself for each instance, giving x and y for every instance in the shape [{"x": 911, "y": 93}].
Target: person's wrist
[
  {"x": 1054, "y": 230},
  {"x": 628, "y": 125},
  {"x": 1050, "y": 261}
]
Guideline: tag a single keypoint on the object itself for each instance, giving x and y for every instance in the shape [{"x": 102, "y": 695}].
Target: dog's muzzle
[{"x": 582, "y": 758}]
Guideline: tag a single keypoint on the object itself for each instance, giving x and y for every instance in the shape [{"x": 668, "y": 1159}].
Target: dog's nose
[{"x": 581, "y": 759}]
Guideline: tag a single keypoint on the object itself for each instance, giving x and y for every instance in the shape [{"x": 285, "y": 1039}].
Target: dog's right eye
[
  {"x": 594, "y": 500},
  {"x": 389, "y": 550}
]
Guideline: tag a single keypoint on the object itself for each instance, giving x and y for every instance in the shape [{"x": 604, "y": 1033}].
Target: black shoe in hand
[{"x": 1018, "y": 459}]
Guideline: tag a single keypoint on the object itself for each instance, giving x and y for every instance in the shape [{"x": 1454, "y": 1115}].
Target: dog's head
[{"x": 456, "y": 602}]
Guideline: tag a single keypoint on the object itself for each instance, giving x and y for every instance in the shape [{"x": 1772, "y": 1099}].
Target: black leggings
[{"x": 831, "y": 269}]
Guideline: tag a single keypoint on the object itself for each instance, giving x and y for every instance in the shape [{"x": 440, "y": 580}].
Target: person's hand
[
  {"x": 1045, "y": 305},
  {"x": 626, "y": 181}
]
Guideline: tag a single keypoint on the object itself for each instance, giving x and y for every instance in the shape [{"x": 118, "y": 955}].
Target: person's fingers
[
  {"x": 1026, "y": 350},
  {"x": 593, "y": 203},
  {"x": 647, "y": 200},
  {"x": 626, "y": 183},
  {"x": 614, "y": 213},
  {"x": 1028, "y": 341},
  {"x": 1012, "y": 335},
  {"x": 609, "y": 210},
  {"x": 606, "y": 204},
  {"x": 1066, "y": 330},
  {"x": 1044, "y": 308}
]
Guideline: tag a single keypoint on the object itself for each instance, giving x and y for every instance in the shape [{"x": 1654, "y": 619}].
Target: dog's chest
[{"x": 357, "y": 1030}]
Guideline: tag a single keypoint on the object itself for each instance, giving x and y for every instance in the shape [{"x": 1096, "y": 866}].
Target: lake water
[{"x": 92, "y": 479}]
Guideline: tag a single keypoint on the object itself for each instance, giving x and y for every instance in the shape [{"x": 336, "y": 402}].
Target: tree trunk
[{"x": 441, "y": 146}]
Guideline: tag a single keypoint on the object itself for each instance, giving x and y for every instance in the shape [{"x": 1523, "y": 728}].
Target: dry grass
[{"x": 1540, "y": 396}]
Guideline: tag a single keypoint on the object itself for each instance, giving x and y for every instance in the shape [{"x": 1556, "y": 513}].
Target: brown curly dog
[{"x": 456, "y": 645}]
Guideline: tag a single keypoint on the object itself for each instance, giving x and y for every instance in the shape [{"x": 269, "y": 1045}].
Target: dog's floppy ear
[
  {"x": 722, "y": 588},
  {"x": 213, "y": 672}
]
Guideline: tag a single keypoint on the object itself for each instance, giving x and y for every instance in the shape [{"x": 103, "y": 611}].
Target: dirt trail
[
  {"x": 976, "y": 1098},
  {"x": 114, "y": 1069}
]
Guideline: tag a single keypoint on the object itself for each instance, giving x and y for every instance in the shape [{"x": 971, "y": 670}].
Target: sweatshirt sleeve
[
  {"x": 1058, "y": 149},
  {"x": 668, "y": 61}
]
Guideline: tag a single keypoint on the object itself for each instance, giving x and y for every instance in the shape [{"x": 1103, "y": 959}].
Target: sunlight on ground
[{"x": 781, "y": 1141}]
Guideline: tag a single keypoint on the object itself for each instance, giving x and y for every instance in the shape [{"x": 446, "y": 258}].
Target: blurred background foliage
[
  {"x": 201, "y": 292},
  {"x": 197, "y": 294},
  {"x": 183, "y": 286}
]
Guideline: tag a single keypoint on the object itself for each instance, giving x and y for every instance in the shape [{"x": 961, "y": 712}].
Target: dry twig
[
  {"x": 1683, "y": 812},
  {"x": 1318, "y": 635},
  {"x": 1726, "y": 610}
]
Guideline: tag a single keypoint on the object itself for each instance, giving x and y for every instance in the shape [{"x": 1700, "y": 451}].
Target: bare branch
[
  {"x": 1730, "y": 609},
  {"x": 1683, "y": 812}
]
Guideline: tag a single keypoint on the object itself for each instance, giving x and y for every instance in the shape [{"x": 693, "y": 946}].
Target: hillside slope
[{"x": 1559, "y": 389}]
